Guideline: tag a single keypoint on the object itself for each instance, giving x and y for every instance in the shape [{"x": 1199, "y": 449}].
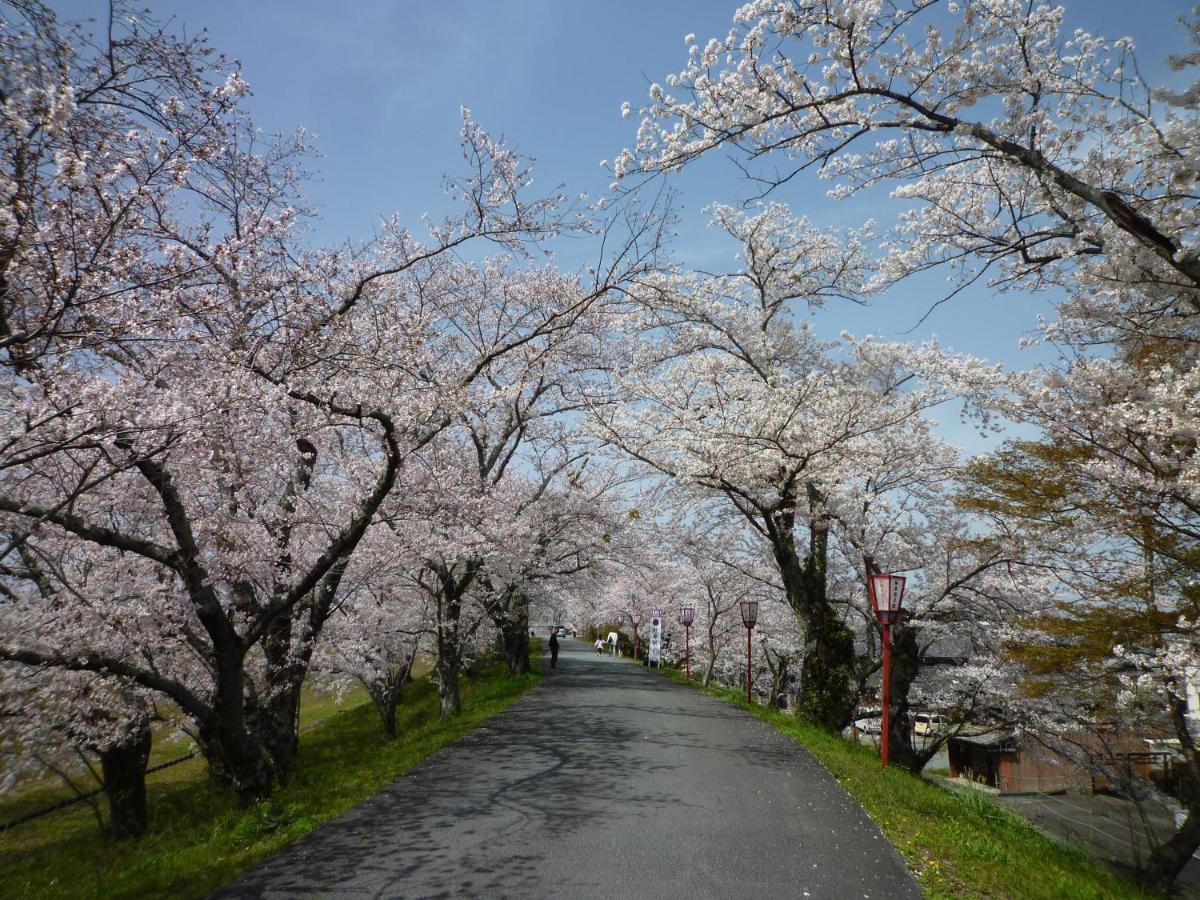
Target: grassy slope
[
  {"x": 199, "y": 839},
  {"x": 959, "y": 845}
]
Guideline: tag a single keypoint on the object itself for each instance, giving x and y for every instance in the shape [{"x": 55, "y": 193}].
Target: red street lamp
[
  {"x": 886, "y": 593},
  {"x": 687, "y": 615},
  {"x": 749, "y": 618}
]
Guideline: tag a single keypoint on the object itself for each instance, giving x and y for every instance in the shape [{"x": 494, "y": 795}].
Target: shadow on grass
[{"x": 199, "y": 839}]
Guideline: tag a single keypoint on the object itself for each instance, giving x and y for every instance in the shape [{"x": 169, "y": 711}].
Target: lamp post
[
  {"x": 886, "y": 593},
  {"x": 687, "y": 616},
  {"x": 749, "y": 618}
]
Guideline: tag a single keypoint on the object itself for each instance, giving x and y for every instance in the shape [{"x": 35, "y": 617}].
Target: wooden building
[{"x": 1014, "y": 762}]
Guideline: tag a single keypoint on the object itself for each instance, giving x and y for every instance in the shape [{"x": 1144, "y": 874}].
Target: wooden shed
[{"x": 1013, "y": 763}]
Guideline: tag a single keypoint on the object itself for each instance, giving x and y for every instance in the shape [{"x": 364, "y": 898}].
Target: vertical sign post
[{"x": 656, "y": 638}]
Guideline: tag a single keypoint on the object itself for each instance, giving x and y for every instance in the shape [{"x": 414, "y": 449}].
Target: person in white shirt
[
  {"x": 612, "y": 642},
  {"x": 599, "y": 645}
]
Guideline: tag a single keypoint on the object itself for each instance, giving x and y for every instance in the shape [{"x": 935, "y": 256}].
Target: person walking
[
  {"x": 599, "y": 645},
  {"x": 612, "y": 641},
  {"x": 553, "y": 649}
]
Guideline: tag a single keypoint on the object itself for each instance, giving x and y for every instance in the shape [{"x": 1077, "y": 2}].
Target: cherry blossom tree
[
  {"x": 1034, "y": 154},
  {"x": 727, "y": 394},
  {"x": 188, "y": 385},
  {"x": 1122, "y": 568},
  {"x": 66, "y": 722},
  {"x": 378, "y": 632},
  {"x": 717, "y": 563},
  {"x": 1033, "y": 158}
]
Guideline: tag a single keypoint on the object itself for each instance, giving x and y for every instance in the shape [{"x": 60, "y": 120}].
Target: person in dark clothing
[{"x": 553, "y": 650}]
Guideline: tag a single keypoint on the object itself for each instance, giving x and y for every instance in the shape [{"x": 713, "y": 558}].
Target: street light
[
  {"x": 886, "y": 593},
  {"x": 749, "y": 618},
  {"x": 687, "y": 616}
]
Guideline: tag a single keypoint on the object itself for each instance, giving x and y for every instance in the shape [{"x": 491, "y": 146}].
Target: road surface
[{"x": 604, "y": 781}]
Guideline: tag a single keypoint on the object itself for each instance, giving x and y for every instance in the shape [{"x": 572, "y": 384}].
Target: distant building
[{"x": 1016, "y": 762}]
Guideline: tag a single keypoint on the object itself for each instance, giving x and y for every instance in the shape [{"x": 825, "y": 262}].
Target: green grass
[
  {"x": 958, "y": 844},
  {"x": 199, "y": 839}
]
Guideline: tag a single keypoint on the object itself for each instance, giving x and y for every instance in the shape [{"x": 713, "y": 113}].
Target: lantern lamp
[{"x": 887, "y": 593}]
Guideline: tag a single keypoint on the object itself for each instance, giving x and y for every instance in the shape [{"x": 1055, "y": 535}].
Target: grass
[
  {"x": 168, "y": 744},
  {"x": 958, "y": 844},
  {"x": 199, "y": 839}
]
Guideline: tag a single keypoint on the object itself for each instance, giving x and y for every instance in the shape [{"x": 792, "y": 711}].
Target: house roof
[{"x": 985, "y": 739}]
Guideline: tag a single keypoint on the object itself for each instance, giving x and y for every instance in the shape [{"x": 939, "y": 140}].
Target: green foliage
[
  {"x": 958, "y": 844},
  {"x": 199, "y": 839},
  {"x": 1042, "y": 490}
]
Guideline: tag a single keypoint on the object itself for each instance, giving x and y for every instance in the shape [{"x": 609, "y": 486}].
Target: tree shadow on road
[{"x": 547, "y": 766}]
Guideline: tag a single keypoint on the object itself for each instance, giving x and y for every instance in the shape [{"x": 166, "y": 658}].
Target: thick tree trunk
[
  {"x": 905, "y": 666},
  {"x": 123, "y": 766},
  {"x": 278, "y": 718},
  {"x": 452, "y": 586},
  {"x": 279, "y": 725},
  {"x": 236, "y": 760},
  {"x": 516, "y": 648},
  {"x": 513, "y": 634},
  {"x": 1168, "y": 859},
  {"x": 236, "y": 756},
  {"x": 827, "y": 667},
  {"x": 827, "y": 694},
  {"x": 827, "y": 685},
  {"x": 449, "y": 658}
]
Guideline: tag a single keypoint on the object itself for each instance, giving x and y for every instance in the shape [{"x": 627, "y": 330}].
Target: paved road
[{"x": 605, "y": 781}]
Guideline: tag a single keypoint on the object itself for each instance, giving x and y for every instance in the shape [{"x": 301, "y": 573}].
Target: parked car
[
  {"x": 869, "y": 724},
  {"x": 929, "y": 723}
]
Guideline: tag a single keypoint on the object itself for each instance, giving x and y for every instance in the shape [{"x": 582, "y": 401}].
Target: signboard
[{"x": 656, "y": 638}]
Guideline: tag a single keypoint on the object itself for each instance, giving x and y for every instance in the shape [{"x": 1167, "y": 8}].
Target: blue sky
[{"x": 380, "y": 84}]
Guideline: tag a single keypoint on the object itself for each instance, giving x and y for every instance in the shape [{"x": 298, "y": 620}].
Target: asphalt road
[{"x": 604, "y": 781}]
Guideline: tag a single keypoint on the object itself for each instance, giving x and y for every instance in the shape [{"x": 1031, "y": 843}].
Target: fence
[{"x": 88, "y": 795}]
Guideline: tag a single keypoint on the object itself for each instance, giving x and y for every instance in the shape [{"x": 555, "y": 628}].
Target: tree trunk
[
  {"x": 449, "y": 658},
  {"x": 827, "y": 667},
  {"x": 448, "y": 693},
  {"x": 387, "y": 692},
  {"x": 278, "y": 718},
  {"x": 386, "y": 701},
  {"x": 905, "y": 666},
  {"x": 237, "y": 761},
  {"x": 236, "y": 756},
  {"x": 827, "y": 694},
  {"x": 287, "y": 665},
  {"x": 1168, "y": 859},
  {"x": 123, "y": 766},
  {"x": 779, "y": 677},
  {"x": 712, "y": 657},
  {"x": 514, "y": 644},
  {"x": 279, "y": 725}
]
